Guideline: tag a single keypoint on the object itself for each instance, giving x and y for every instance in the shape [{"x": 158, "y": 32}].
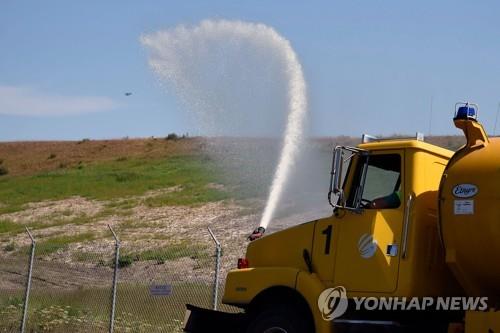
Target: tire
[{"x": 281, "y": 318}]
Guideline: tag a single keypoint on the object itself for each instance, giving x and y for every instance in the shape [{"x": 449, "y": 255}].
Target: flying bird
[{"x": 128, "y": 93}]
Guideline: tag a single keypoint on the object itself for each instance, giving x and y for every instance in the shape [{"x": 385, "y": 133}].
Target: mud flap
[{"x": 204, "y": 320}]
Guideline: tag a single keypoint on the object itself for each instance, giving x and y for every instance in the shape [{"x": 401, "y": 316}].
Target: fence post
[
  {"x": 28, "y": 283},
  {"x": 215, "y": 292},
  {"x": 115, "y": 279}
]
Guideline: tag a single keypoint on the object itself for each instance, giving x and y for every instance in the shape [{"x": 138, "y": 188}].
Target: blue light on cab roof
[{"x": 466, "y": 111}]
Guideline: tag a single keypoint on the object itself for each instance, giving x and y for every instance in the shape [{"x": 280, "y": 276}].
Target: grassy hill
[{"x": 105, "y": 170}]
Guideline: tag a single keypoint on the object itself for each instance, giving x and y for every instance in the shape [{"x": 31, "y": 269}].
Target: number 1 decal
[{"x": 328, "y": 233}]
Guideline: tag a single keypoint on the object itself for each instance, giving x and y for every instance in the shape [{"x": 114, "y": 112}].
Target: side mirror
[
  {"x": 336, "y": 174},
  {"x": 343, "y": 155}
]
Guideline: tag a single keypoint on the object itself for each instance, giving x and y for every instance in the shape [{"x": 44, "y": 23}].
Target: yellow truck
[{"x": 413, "y": 245}]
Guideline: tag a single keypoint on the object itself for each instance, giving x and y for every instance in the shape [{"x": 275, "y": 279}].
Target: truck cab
[{"x": 381, "y": 240}]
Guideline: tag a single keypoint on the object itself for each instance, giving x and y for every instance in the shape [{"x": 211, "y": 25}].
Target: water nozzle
[{"x": 257, "y": 233}]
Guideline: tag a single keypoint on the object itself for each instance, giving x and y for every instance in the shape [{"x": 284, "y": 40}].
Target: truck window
[{"x": 382, "y": 188}]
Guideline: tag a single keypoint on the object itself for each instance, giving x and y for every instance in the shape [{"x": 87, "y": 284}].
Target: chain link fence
[
  {"x": 103, "y": 284},
  {"x": 12, "y": 297}
]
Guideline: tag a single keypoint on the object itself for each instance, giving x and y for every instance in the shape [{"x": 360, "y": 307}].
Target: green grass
[
  {"x": 11, "y": 306},
  {"x": 113, "y": 180},
  {"x": 13, "y": 228},
  {"x": 54, "y": 244},
  {"x": 190, "y": 195},
  {"x": 160, "y": 255},
  {"x": 133, "y": 224},
  {"x": 106, "y": 212},
  {"x": 10, "y": 208},
  {"x": 77, "y": 220},
  {"x": 90, "y": 257},
  {"x": 122, "y": 204},
  {"x": 173, "y": 252},
  {"x": 9, "y": 226},
  {"x": 87, "y": 310}
]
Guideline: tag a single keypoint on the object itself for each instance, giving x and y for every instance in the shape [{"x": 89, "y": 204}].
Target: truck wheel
[{"x": 280, "y": 319}]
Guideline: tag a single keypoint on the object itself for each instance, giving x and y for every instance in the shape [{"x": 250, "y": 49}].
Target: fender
[
  {"x": 310, "y": 287},
  {"x": 242, "y": 285}
]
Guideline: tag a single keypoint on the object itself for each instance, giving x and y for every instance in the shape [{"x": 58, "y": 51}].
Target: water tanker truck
[{"x": 413, "y": 245}]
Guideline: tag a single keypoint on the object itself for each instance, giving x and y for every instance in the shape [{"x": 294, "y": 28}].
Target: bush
[
  {"x": 9, "y": 247},
  {"x": 3, "y": 170},
  {"x": 172, "y": 136},
  {"x": 52, "y": 156},
  {"x": 125, "y": 261},
  {"x": 83, "y": 140},
  {"x": 124, "y": 176}
]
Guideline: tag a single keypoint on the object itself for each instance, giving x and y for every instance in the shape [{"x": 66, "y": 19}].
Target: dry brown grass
[{"x": 27, "y": 158}]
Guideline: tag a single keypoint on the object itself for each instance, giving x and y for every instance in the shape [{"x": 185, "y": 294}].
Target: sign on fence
[{"x": 160, "y": 290}]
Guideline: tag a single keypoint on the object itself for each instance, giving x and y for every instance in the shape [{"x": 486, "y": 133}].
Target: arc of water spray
[
  {"x": 293, "y": 134},
  {"x": 170, "y": 48}
]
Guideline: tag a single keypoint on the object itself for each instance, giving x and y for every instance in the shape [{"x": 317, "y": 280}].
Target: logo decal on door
[{"x": 367, "y": 246}]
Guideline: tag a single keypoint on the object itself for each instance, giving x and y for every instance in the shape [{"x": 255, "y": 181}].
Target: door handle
[{"x": 406, "y": 226}]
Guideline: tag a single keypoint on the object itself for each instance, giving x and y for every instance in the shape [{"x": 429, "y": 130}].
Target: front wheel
[{"x": 280, "y": 319}]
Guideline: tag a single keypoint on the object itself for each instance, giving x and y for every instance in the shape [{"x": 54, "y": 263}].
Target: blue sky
[{"x": 370, "y": 66}]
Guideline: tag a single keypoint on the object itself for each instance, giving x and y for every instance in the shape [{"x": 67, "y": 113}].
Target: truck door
[{"x": 369, "y": 240}]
